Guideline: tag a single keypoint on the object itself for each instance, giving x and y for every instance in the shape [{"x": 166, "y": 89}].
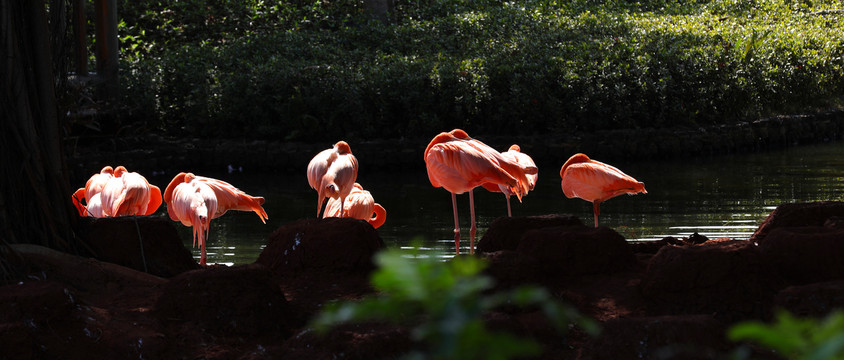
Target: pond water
[{"x": 726, "y": 196}]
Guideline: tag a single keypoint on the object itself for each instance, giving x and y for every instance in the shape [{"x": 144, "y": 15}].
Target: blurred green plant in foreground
[
  {"x": 796, "y": 338},
  {"x": 444, "y": 303}
]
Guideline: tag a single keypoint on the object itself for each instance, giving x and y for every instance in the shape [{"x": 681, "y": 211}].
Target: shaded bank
[
  {"x": 675, "y": 296},
  {"x": 148, "y": 153}
]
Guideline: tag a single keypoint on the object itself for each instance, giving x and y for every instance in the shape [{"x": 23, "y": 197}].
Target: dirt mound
[
  {"x": 40, "y": 314},
  {"x": 226, "y": 301},
  {"x": 813, "y": 214},
  {"x": 811, "y": 300},
  {"x": 722, "y": 277},
  {"x": 351, "y": 341},
  {"x": 511, "y": 268},
  {"x": 331, "y": 245},
  {"x": 667, "y": 299},
  {"x": 117, "y": 240},
  {"x": 505, "y": 232},
  {"x": 558, "y": 252},
  {"x": 662, "y": 337},
  {"x": 78, "y": 308},
  {"x": 577, "y": 250},
  {"x": 804, "y": 255}
]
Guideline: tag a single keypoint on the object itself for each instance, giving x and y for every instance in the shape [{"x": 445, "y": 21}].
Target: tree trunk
[
  {"x": 34, "y": 189},
  {"x": 107, "y": 50}
]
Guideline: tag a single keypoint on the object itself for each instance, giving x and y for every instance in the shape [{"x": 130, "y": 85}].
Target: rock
[
  {"x": 696, "y": 239},
  {"x": 505, "y": 232},
  {"x": 115, "y": 240},
  {"x": 661, "y": 337},
  {"x": 331, "y": 245},
  {"x": 233, "y": 301},
  {"x": 816, "y": 300},
  {"x": 577, "y": 250},
  {"x": 724, "y": 277},
  {"x": 799, "y": 215},
  {"x": 804, "y": 255}
]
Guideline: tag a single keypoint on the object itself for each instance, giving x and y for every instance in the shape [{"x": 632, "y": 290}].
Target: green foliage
[
  {"x": 305, "y": 70},
  {"x": 795, "y": 338},
  {"x": 444, "y": 302}
]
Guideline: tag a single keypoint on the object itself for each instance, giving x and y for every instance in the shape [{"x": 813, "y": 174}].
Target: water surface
[{"x": 726, "y": 196}]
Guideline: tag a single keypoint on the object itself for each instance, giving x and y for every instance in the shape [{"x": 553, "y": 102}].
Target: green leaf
[
  {"x": 445, "y": 301},
  {"x": 797, "y": 338}
]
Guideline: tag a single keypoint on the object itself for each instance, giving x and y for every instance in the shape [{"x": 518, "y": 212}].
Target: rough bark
[{"x": 34, "y": 202}]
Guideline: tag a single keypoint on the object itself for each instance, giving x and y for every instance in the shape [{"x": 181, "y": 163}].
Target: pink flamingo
[
  {"x": 595, "y": 181},
  {"x": 117, "y": 192},
  {"x": 129, "y": 193},
  {"x": 91, "y": 194},
  {"x": 514, "y": 154},
  {"x": 332, "y": 174},
  {"x": 359, "y": 205},
  {"x": 195, "y": 200},
  {"x": 459, "y": 163}
]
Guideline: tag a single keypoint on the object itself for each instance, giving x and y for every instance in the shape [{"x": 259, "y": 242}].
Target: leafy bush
[
  {"x": 796, "y": 338},
  {"x": 444, "y": 303},
  {"x": 302, "y": 71}
]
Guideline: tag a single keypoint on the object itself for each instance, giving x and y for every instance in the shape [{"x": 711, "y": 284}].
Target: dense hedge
[{"x": 301, "y": 71}]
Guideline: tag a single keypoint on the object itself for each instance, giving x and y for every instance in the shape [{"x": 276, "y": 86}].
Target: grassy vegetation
[{"x": 307, "y": 70}]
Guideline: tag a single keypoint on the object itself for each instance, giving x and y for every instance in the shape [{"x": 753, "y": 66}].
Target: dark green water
[{"x": 725, "y": 196}]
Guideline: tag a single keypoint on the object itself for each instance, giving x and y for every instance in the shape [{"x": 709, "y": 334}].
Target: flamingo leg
[
  {"x": 202, "y": 255},
  {"x": 473, "y": 230},
  {"x": 509, "y": 213},
  {"x": 456, "y": 225},
  {"x": 596, "y": 209},
  {"x": 342, "y": 207},
  {"x": 203, "y": 239}
]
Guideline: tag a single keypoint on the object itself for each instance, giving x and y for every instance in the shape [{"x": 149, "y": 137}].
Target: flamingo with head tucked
[
  {"x": 332, "y": 173},
  {"x": 514, "y": 153},
  {"x": 596, "y": 182},
  {"x": 129, "y": 193},
  {"x": 117, "y": 192},
  {"x": 195, "y": 200},
  {"x": 458, "y": 163},
  {"x": 91, "y": 194},
  {"x": 359, "y": 205}
]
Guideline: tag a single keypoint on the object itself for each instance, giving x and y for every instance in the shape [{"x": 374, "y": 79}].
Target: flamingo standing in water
[
  {"x": 514, "y": 154},
  {"x": 459, "y": 163},
  {"x": 359, "y": 205},
  {"x": 332, "y": 173},
  {"x": 91, "y": 194},
  {"x": 195, "y": 200},
  {"x": 595, "y": 181}
]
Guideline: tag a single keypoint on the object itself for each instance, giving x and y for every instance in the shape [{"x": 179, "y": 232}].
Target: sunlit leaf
[{"x": 446, "y": 302}]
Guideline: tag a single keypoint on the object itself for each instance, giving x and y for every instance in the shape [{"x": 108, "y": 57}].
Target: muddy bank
[
  {"x": 150, "y": 153},
  {"x": 672, "y": 297}
]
